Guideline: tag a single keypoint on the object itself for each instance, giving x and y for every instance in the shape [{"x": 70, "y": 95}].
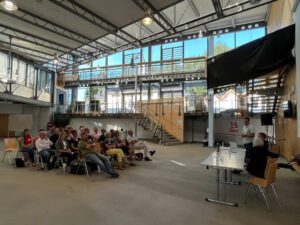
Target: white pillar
[{"x": 211, "y": 117}]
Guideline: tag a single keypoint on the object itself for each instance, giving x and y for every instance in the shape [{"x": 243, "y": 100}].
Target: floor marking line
[{"x": 178, "y": 163}]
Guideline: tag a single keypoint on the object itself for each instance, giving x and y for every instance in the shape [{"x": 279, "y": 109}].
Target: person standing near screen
[{"x": 248, "y": 134}]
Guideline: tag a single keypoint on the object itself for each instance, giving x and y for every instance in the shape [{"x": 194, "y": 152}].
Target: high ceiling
[{"x": 89, "y": 29}]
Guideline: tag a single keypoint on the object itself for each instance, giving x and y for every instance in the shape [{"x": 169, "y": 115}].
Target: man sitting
[
  {"x": 43, "y": 146},
  {"x": 134, "y": 144},
  {"x": 87, "y": 151},
  {"x": 258, "y": 158}
]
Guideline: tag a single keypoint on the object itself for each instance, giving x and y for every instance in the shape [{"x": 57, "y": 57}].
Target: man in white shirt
[
  {"x": 248, "y": 134},
  {"x": 43, "y": 146},
  {"x": 135, "y": 144}
]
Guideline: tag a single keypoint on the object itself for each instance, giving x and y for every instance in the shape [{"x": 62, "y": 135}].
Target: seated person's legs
[{"x": 96, "y": 159}]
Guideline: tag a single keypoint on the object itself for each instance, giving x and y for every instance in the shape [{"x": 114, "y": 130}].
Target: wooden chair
[
  {"x": 263, "y": 183},
  {"x": 10, "y": 146}
]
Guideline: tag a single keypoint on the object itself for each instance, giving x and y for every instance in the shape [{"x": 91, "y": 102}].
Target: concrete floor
[{"x": 152, "y": 193}]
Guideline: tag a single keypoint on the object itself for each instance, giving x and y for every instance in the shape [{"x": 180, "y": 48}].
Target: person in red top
[{"x": 27, "y": 146}]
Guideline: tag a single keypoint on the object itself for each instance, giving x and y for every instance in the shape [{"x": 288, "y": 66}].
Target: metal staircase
[
  {"x": 264, "y": 93},
  {"x": 157, "y": 130}
]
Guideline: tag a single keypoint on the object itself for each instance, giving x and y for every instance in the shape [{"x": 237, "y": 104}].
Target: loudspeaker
[{"x": 266, "y": 119}]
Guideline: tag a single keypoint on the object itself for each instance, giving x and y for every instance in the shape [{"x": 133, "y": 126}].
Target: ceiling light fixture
[
  {"x": 9, "y": 5},
  {"x": 56, "y": 59},
  {"x": 200, "y": 35},
  {"x": 147, "y": 20}
]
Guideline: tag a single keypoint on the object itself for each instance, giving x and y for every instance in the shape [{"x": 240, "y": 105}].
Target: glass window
[
  {"x": 245, "y": 36},
  {"x": 145, "y": 56},
  {"x": 84, "y": 66},
  {"x": 155, "y": 53},
  {"x": 172, "y": 45},
  {"x": 42, "y": 80},
  {"x": 3, "y": 65},
  {"x": 82, "y": 94},
  {"x": 30, "y": 76},
  {"x": 115, "y": 59},
  {"x": 223, "y": 43},
  {"x": 99, "y": 62},
  {"x": 195, "y": 48},
  {"x": 19, "y": 71}
]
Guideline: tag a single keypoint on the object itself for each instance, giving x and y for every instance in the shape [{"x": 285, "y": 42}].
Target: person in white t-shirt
[
  {"x": 135, "y": 144},
  {"x": 248, "y": 134},
  {"x": 43, "y": 146}
]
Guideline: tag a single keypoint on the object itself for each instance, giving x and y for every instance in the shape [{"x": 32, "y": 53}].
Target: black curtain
[{"x": 253, "y": 59}]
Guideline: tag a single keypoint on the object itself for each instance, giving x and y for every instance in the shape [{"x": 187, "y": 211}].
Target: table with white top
[{"x": 225, "y": 159}]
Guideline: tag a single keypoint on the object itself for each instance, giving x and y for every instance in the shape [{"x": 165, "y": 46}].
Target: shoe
[
  {"x": 115, "y": 175},
  {"x": 148, "y": 159},
  {"x": 152, "y": 152}
]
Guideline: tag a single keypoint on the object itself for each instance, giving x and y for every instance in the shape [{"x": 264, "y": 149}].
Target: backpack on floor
[
  {"x": 19, "y": 162},
  {"x": 78, "y": 169}
]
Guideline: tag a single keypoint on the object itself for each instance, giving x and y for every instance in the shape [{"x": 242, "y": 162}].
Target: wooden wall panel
[
  {"x": 4, "y": 125},
  {"x": 281, "y": 16}
]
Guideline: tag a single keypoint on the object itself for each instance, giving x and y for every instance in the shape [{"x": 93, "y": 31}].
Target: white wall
[
  {"x": 222, "y": 131},
  {"x": 108, "y": 124},
  {"x": 41, "y": 115}
]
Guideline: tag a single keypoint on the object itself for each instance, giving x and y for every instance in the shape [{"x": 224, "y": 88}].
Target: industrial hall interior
[{"x": 149, "y": 112}]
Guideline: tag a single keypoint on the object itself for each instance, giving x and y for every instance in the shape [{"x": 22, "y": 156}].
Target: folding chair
[
  {"x": 10, "y": 146},
  {"x": 82, "y": 161}
]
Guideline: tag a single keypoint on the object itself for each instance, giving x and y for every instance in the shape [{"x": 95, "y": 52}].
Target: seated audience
[
  {"x": 53, "y": 138},
  {"x": 74, "y": 142},
  {"x": 87, "y": 151},
  {"x": 258, "y": 158},
  {"x": 27, "y": 146},
  {"x": 112, "y": 150},
  {"x": 135, "y": 144},
  {"x": 102, "y": 136},
  {"x": 43, "y": 146},
  {"x": 62, "y": 147},
  {"x": 119, "y": 143},
  {"x": 95, "y": 133}
]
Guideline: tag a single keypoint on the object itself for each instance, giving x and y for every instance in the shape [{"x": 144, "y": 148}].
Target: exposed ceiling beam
[
  {"x": 218, "y": 8},
  {"x": 141, "y": 4},
  {"x": 194, "y": 8},
  {"x": 86, "y": 14},
  {"x": 198, "y": 22},
  {"x": 47, "y": 25},
  {"x": 63, "y": 48}
]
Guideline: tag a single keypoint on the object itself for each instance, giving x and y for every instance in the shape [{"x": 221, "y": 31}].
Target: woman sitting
[
  {"x": 258, "y": 158},
  {"x": 63, "y": 148},
  {"x": 112, "y": 150},
  {"x": 27, "y": 146},
  {"x": 74, "y": 142},
  {"x": 122, "y": 144}
]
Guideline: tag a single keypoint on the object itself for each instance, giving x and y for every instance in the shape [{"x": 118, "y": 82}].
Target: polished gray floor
[{"x": 161, "y": 192}]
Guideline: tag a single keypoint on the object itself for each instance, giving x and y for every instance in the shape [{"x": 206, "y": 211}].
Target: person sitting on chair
[
  {"x": 87, "y": 151},
  {"x": 122, "y": 144},
  {"x": 43, "y": 146},
  {"x": 102, "y": 136},
  {"x": 62, "y": 147},
  {"x": 258, "y": 158},
  {"x": 112, "y": 150},
  {"x": 27, "y": 146},
  {"x": 135, "y": 144}
]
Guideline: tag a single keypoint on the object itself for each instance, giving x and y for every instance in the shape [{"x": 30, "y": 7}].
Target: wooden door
[{"x": 4, "y": 125}]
